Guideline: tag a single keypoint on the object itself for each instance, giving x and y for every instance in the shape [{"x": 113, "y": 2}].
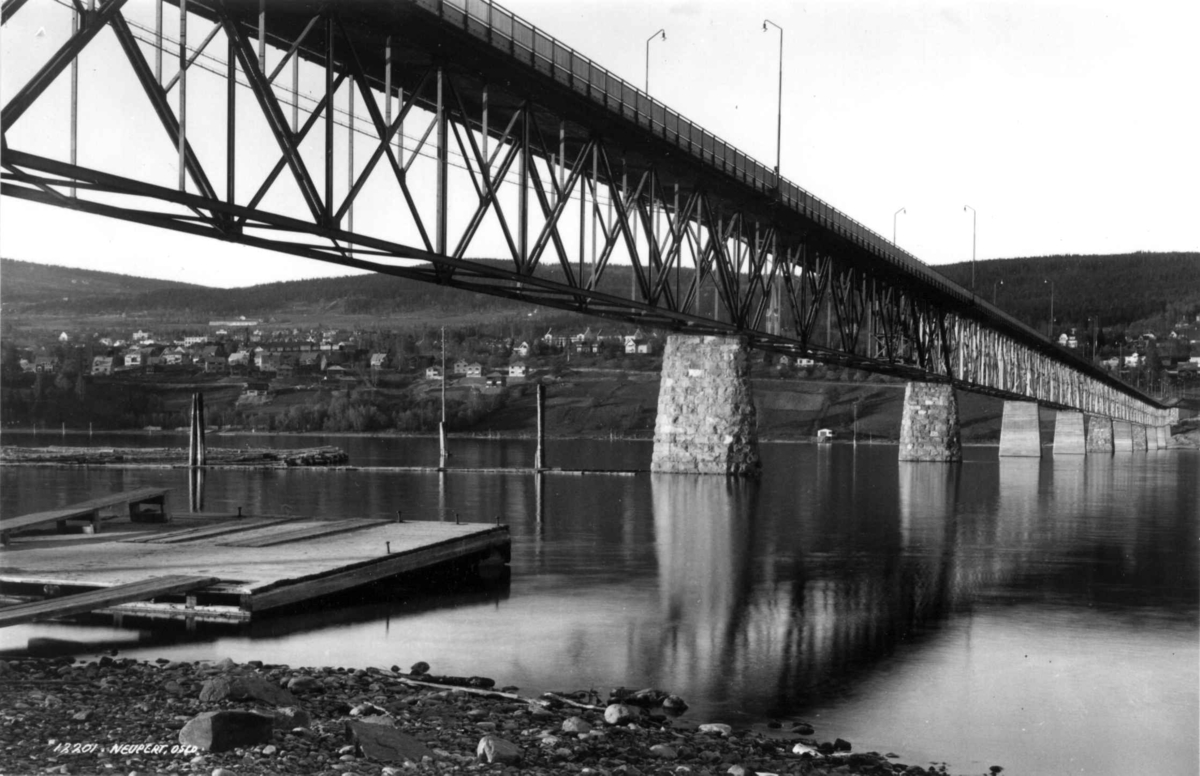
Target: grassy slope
[{"x": 28, "y": 283}]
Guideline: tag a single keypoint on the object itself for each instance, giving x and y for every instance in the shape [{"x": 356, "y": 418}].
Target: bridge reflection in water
[{"x": 778, "y": 600}]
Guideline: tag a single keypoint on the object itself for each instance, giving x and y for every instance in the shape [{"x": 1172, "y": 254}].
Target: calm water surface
[{"x": 1043, "y": 616}]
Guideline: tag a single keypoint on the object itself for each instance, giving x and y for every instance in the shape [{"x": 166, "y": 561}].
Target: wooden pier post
[
  {"x": 197, "y": 449},
  {"x": 193, "y": 453},
  {"x": 539, "y": 460},
  {"x": 200, "y": 424}
]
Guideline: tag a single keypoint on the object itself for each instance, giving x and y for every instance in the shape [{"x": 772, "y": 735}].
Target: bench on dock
[
  {"x": 78, "y": 603},
  {"x": 138, "y": 500}
]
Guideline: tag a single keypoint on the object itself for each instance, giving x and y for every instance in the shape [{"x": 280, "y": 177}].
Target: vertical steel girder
[{"x": 683, "y": 238}]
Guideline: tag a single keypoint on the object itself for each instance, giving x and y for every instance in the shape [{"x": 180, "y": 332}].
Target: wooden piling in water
[
  {"x": 539, "y": 461},
  {"x": 197, "y": 449}
]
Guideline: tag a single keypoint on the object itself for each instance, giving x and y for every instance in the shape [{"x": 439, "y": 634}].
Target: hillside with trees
[{"x": 1152, "y": 290}]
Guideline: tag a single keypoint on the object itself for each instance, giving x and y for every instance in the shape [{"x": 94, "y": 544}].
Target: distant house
[
  {"x": 433, "y": 373},
  {"x": 257, "y": 390},
  {"x": 140, "y": 336},
  {"x": 783, "y": 361},
  {"x": 213, "y": 364},
  {"x": 522, "y": 350},
  {"x": 461, "y": 366},
  {"x": 803, "y": 362},
  {"x": 133, "y": 359},
  {"x": 554, "y": 341},
  {"x": 517, "y": 370},
  {"x": 102, "y": 365},
  {"x": 309, "y": 361},
  {"x": 1111, "y": 363},
  {"x": 189, "y": 342},
  {"x": 64, "y": 337},
  {"x": 474, "y": 369},
  {"x": 239, "y": 358},
  {"x": 379, "y": 360},
  {"x": 267, "y": 362},
  {"x": 172, "y": 358},
  {"x": 1133, "y": 359},
  {"x": 495, "y": 379}
]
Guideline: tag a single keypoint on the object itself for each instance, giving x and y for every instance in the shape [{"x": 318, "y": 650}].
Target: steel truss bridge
[{"x": 479, "y": 136}]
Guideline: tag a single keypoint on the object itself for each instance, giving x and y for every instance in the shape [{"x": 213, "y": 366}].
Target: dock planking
[
  {"x": 90, "y": 510},
  {"x": 91, "y": 600},
  {"x": 257, "y": 564}
]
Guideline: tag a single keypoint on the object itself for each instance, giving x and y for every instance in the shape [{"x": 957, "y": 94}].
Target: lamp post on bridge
[
  {"x": 994, "y": 284},
  {"x": 894, "y": 217},
  {"x": 779, "y": 101},
  {"x": 663, "y": 34},
  {"x": 974, "y": 221}
]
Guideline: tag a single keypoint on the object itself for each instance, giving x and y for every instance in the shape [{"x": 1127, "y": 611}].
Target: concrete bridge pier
[
  {"x": 1139, "y": 438},
  {"x": 1070, "y": 433},
  {"x": 1020, "y": 434},
  {"x": 929, "y": 425},
  {"x": 1122, "y": 436},
  {"x": 706, "y": 420},
  {"x": 1099, "y": 434},
  {"x": 1164, "y": 437}
]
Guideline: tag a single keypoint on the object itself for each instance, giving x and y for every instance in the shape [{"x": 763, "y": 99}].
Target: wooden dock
[
  {"x": 91, "y": 510},
  {"x": 256, "y": 564},
  {"x": 79, "y": 603}
]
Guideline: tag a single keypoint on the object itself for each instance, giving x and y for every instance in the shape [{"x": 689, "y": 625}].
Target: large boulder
[
  {"x": 220, "y": 731},
  {"x": 494, "y": 749},
  {"x": 291, "y": 717},
  {"x": 620, "y": 714},
  {"x": 239, "y": 687},
  {"x": 385, "y": 743}
]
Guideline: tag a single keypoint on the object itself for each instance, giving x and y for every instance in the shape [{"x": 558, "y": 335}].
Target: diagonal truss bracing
[{"x": 486, "y": 139}]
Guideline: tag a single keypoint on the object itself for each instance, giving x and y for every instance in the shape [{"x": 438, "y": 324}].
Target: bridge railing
[{"x": 522, "y": 40}]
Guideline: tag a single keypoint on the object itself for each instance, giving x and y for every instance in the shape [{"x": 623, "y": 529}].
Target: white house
[
  {"x": 460, "y": 367},
  {"x": 474, "y": 369},
  {"x": 102, "y": 365},
  {"x": 139, "y": 336},
  {"x": 522, "y": 350},
  {"x": 517, "y": 370},
  {"x": 378, "y": 360},
  {"x": 433, "y": 373}
]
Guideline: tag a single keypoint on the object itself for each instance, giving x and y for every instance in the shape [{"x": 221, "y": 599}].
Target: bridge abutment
[
  {"x": 1070, "y": 434},
  {"x": 1020, "y": 434},
  {"x": 929, "y": 425},
  {"x": 1139, "y": 438},
  {"x": 1099, "y": 434},
  {"x": 706, "y": 420},
  {"x": 1122, "y": 436}
]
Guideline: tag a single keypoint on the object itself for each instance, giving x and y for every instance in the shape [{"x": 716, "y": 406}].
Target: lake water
[{"x": 1043, "y": 616}]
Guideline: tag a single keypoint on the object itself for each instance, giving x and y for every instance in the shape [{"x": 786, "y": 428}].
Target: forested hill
[
  {"x": 1121, "y": 289},
  {"x": 1118, "y": 290},
  {"x": 26, "y": 283}
]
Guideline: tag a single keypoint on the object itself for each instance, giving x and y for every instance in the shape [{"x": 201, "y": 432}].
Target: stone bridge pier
[
  {"x": 706, "y": 420},
  {"x": 929, "y": 429}
]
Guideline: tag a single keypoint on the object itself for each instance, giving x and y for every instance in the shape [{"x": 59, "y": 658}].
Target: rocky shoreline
[{"x": 122, "y": 716}]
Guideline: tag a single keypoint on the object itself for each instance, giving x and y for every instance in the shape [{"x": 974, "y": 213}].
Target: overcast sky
[{"x": 1069, "y": 126}]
